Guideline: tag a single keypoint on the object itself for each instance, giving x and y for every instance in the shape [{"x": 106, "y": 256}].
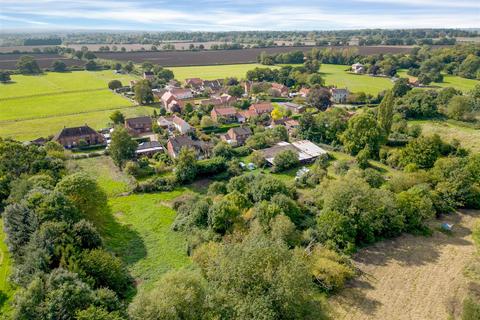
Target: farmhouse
[
  {"x": 77, "y": 136},
  {"x": 226, "y": 115},
  {"x": 306, "y": 150},
  {"x": 293, "y": 107},
  {"x": 236, "y": 136},
  {"x": 148, "y": 75},
  {"x": 175, "y": 145},
  {"x": 339, "y": 95},
  {"x": 149, "y": 148},
  {"x": 139, "y": 125},
  {"x": 358, "y": 68}
]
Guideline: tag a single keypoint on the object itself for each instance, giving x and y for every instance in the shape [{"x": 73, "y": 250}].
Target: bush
[
  {"x": 157, "y": 184},
  {"x": 285, "y": 160},
  {"x": 211, "y": 166}
]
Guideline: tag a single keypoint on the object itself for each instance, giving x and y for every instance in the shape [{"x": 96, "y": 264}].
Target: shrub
[
  {"x": 157, "y": 184},
  {"x": 285, "y": 160}
]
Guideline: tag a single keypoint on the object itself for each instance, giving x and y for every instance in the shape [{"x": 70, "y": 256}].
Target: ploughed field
[
  {"x": 194, "y": 58},
  {"x": 8, "y": 61}
]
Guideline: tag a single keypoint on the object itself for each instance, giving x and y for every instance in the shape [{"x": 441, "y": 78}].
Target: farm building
[
  {"x": 358, "y": 68},
  {"x": 149, "y": 148},
  {"x": 77, "y": 136},
  {"x": 306, "y": 150},
  {"x": 294, "y": 107}
]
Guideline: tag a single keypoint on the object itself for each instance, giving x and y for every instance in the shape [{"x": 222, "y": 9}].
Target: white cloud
[{"x": 134, "y": 15}]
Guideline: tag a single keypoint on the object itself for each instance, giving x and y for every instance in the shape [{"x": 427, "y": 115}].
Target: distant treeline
[
  {"x": 42, "y": 42},
  {"x": 256, "y": 38}
]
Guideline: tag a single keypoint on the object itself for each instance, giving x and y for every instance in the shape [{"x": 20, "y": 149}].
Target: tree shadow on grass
[
  {"x": 354, "y": 295},
  {"x": 121, "y": 239},
  {"x": 3, "y": 298}
]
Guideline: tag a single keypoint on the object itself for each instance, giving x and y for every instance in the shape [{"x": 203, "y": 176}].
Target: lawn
[
  {"x": 34, "y": 106},
  {"x": 137, "y": 226},
  {"x": 336, "y": 75},
  {"x": 459, "y": 83},
  {"x": 6, "y": 290},
  {"x": 449, "y": 130}
]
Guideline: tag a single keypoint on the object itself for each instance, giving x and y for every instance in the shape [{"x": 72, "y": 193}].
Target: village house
[
  {"x": 213, "y": 85},
  {"x": 139, "y": 125},
  {"x": 148, "y": 148},
  {"x": 236, "y": 136},
  {"x": 306, "y": 150},
  {"x": 261, "y": 108},
  {"x": 175, "y": 145},
  {"x": 78, "y": 136},
  {"x": 226, "y": 115},
  {"x": 174, "y": 123},
  {"x": 281, "y": 89},
  {"x": 148, "y": 75},
  {"x": 181, "y": 93},
  {"x": 304, "y": 92},
  {"x": 194, "y": 83},
  {"x": 171, "y": 103},
  {"x": 339, "y": 95},
  {"x": 293, "y": 107},
  {"x": 223, "y": 100},
  {"x": 358, "y": 68}
]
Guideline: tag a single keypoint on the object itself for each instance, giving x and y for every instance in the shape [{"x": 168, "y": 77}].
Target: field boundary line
[
  {"x": 66, "y": 114},
  {"x": 51, "y": 94}
]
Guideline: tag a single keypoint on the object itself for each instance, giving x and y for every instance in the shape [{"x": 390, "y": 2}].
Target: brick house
[
  {"x": 281, "y": 89},
  {"x": 237, "y": 136},
  {"x": 74, "y": 137},
  {"x": 175, "y": 145},
  {"x": 261, "y": 108},
  {"x": 227, "y": 115},
  {"x": 139, "y": 125}
]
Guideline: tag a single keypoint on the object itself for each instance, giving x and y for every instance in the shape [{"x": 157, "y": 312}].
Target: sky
[{"x": 225, "y": 15}]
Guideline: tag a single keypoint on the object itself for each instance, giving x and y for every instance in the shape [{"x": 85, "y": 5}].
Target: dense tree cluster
[{"x": 60, "y": 264}]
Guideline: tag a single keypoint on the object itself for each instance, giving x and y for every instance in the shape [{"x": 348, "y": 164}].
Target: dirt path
[{"x": 411, "y": 277}]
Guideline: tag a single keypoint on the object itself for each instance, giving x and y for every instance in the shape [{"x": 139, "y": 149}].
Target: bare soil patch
[{"x": 411, "y": 277}]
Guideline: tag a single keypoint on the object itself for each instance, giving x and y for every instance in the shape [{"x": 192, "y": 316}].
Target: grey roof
[
  {"x": 139, "y": 120},
  {"x": 149, "y": 145},
  {"x": 241, "y": 130},
  {"x": 75, "y": 132}
]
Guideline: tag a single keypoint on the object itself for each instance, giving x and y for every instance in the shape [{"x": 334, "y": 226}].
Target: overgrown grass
[
  {"x": 468, "y": 136},
  {"x": 136, "y": 227},
  {"x": 6, "y": 289}
]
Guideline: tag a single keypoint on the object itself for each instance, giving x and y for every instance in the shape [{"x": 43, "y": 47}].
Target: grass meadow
[
  {"x": 459, "y": 83},
  {"x": 136, "y": 227},
  {"x": 34, "y": 106}
]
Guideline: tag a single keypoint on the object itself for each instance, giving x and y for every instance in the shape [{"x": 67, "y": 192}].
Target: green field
[
  {"x": 448, "y": 81},
  {"x": 34, "y": 106},
  {"x": 137, "y": 226},
  {"x": 334, "y": 75},
  {"x": 214, "y": 72}
]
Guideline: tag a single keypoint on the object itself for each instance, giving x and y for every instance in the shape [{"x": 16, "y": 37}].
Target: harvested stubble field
[
  {"x": 411, "y": 277},
  {"x": 45, "y": 60}
]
